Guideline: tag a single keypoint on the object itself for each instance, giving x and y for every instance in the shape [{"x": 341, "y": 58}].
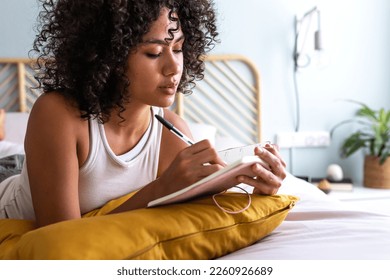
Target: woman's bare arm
[{"x": 52, "y": 161}]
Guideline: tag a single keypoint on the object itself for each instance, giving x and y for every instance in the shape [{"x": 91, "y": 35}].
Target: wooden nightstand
[{"x": 363, "y": 198}]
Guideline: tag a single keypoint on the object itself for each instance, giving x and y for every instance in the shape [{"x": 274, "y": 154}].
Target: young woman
[{"x": 107, "y": 68}]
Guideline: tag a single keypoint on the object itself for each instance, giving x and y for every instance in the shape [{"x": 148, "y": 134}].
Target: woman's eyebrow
[{"x": 162, "y": 42}]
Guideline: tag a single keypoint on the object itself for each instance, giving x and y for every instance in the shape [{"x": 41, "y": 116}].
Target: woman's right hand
[{"x": 191, "y": 165}]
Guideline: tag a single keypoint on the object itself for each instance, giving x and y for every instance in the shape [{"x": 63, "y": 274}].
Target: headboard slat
[
  {"x": 228, "y": 98},
  {"x": 17, "y": 84},
  {"x": 22, "y": 86}
]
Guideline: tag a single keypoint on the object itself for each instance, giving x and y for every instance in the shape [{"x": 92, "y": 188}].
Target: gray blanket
[{"x": 10, "y": 166}]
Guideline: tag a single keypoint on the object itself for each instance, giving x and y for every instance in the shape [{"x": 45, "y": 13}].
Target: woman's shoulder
[
  {"x": 55, "y": 111},
  {"x": 55, "y": 105},
  {"x": 53, "y": 101}
]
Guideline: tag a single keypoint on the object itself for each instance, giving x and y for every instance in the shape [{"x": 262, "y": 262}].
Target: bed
[{"x": 315, "y": 227}]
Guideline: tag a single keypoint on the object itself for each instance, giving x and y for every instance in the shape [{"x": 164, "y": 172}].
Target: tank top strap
[{"x": 94, "y": 142}]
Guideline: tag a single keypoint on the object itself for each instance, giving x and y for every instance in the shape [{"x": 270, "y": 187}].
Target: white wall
[{"x": 357, "y": 40}]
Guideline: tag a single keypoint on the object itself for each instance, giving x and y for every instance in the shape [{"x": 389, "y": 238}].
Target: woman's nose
[{"x": 172, "y": 65}]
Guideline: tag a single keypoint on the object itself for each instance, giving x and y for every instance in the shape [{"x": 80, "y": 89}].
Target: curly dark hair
[{"x": 83, "y": 46}]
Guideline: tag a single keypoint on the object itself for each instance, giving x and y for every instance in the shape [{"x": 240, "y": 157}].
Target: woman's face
[{"x": 156, "y": 66}]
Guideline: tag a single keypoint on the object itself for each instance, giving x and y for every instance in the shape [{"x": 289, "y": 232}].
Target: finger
[
  {"x": 200, "y": 146},
  {"x": 277, "y": 165},
  {"x": 260, "y": 186},
  {"x": 209, "y": 169},
  {"x": 274, "y": 149},
  {"x": 264, "y": 175},
  {"x": 204, "y": 152},
  {"x": 267, "y": 177},
  {"x": 265, "y": 191},
  {"x": 211, "y": 156}
]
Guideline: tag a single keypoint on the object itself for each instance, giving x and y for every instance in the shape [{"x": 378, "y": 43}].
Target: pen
[{"x": 174, "y": 130}]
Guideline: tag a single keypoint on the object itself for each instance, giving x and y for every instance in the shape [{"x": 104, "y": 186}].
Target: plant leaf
[
  {"x": 374, "y": 133},
  {"x": 352, "y": 144},
  {"x": 368, "y": 113}
]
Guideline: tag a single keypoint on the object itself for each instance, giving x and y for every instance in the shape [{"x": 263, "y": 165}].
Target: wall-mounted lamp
[
  {"x": 303, "y": 54},
  {"x": 303, "y": 49},
  {"x": 303, "y": 26}
]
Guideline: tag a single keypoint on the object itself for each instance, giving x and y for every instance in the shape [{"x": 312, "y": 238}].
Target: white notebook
[
  {"x": 239, "y": 163},
  {"x": 236, "y": 153}
]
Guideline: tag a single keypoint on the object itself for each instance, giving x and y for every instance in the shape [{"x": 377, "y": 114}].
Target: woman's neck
[{"x": 123, "y": 134}]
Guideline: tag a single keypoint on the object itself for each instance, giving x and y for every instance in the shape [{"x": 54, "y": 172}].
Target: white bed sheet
[
  {"x": 15, "y": 130},
  {"x": 9, "y": 148},
  {"x": 15, "y": 127},
  {"x": 321, "y": 228}
]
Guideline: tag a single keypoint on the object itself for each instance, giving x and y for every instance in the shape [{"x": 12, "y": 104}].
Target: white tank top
[{"x": 104, "y": 175}]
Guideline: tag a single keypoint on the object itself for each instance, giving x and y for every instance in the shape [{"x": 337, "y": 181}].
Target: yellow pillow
[
  {"x": 10, "y": 233},
  {"x": 193, "y": 230}
]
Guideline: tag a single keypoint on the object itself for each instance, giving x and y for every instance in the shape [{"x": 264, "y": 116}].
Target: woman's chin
[{"x": 166, "y": 102}]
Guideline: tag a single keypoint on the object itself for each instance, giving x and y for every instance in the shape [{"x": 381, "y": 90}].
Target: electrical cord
[
  {"x": 299, "y": 63},
  {"x": 302, "y": 60},
  {"x": 297, "y": 119}
]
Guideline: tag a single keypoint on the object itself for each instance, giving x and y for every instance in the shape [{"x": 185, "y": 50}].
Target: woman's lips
[{"x": 169, "y": 88}]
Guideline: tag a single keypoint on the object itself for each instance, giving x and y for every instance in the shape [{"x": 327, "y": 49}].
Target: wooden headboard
[
  {"x": 17, "y": 84},
  {"x": 228, "y": 98}
]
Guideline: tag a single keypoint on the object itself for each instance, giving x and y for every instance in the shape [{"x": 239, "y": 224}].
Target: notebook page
[{"x": 233, "y": 154}]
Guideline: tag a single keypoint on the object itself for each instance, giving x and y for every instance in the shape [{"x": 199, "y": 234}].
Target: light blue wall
[
  {"x": 357, "y": 37},
  {"x": 357, "y": 40},
  {"x": 17, "y": 23}
]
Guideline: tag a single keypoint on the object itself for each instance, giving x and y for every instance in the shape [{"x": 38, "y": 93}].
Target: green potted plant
[{"x": 374, "y": 137}]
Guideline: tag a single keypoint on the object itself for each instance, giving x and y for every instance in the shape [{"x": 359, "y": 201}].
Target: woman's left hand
[{"x": 267, "y": 180}]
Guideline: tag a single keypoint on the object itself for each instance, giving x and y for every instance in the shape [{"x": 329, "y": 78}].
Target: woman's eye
[
  {"x": 178, "y": 51},
  {"x": 153, "y": 55}
]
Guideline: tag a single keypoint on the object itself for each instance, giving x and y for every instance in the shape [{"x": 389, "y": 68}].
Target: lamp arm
[
  {"x": 317, "y": 42},
  {"x": 314, "y": 9}
]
